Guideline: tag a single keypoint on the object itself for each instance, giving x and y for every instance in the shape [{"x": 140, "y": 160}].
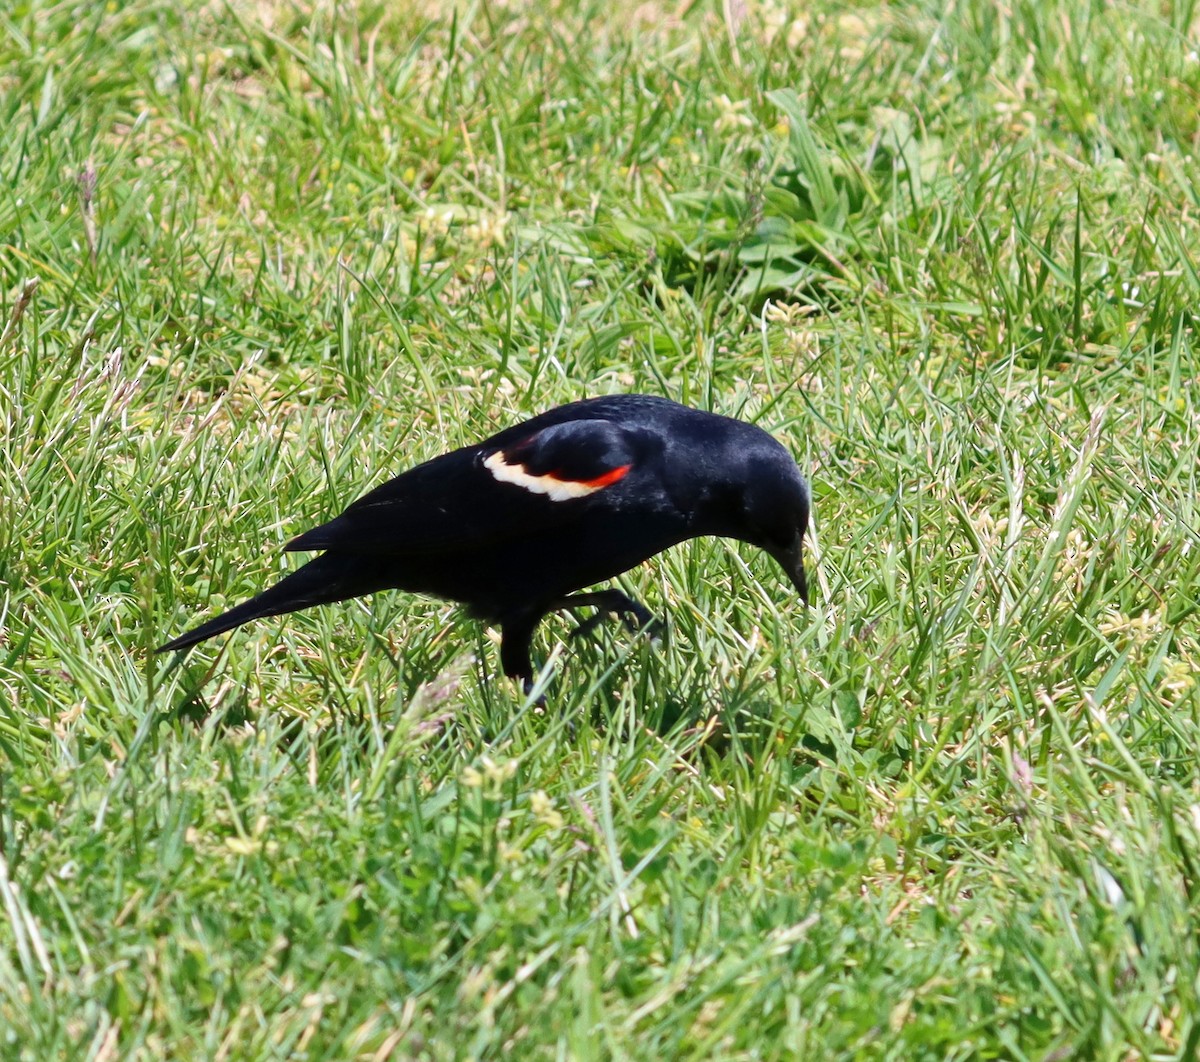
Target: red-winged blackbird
[{"x": 514, "y": 525}]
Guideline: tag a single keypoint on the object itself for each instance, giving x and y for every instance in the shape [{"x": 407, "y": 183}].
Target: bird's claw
[{"x": 634, "y": 621}]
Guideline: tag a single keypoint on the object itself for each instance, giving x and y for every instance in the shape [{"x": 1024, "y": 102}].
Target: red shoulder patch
[
  {"x": 609, "y": 478},
  {"x": 551, "y": 484}
]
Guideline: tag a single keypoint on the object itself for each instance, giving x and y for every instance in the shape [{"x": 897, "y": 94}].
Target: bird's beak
[{"x": 791, "y": 560}]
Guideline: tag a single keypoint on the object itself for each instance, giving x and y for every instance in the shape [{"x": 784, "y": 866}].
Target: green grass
[{"x": 947, "y": 253}]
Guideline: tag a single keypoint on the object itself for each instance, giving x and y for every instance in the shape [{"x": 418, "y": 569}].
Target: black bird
[{"x": 513, "y": 526}]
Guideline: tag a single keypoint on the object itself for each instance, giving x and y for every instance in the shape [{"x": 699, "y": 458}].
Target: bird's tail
[{"x": 329, "y": 577}]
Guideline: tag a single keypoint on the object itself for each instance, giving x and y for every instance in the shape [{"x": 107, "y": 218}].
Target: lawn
[{"x": 256, "y": 258}]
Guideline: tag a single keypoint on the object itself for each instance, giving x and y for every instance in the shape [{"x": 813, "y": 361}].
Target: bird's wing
[{"x": 488, "y": 493}]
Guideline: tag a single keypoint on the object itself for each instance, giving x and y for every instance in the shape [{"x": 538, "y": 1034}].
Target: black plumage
[{"x": 514, "y": 526}]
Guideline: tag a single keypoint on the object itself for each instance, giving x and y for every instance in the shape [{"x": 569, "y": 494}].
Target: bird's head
[{"x": 775, "y": 508}]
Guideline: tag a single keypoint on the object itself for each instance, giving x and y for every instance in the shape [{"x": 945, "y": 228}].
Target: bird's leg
[
  {"x": 516, "y": 636},
  {"x": 634, "y": 614}
]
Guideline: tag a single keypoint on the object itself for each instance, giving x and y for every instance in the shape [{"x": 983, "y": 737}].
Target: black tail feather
[{"x": 330, "y": 577}]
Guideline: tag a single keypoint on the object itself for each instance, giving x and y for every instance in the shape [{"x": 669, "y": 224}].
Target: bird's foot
[
  {"x": 633, "y": 614},
  {"x": 528, "y": 685}
]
